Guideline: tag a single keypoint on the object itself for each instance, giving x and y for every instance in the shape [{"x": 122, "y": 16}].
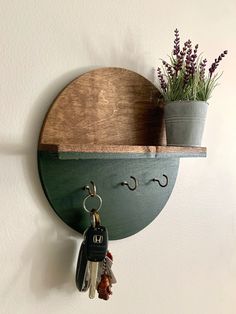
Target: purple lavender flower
[
  {"x": 169, "y": 68},
  {"x": 216, "y": 62},
  {"x": 161, "y": 79},
  {"x": 188, "y": 44},
  {"x": 188, "y": 65},
  {"x": 194, "y": 55},
  {"x": 184, "y": 77},
  {"x": 180, "y": 57},
  {"x": 176, "y": 43},
  {"x": 202, "y": 69},
  {"x": 179, "y": 63}
]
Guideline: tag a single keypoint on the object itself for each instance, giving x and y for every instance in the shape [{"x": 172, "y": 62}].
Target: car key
[
  {"x": 96, "y": 248},
  {"x": 82, "y": 277}
]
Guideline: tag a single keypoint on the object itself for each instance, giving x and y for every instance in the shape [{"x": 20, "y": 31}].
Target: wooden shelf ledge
[{"x": 85, "y": 151}]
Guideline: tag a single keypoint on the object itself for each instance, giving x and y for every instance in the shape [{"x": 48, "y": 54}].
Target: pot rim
[{"x": 187, "y": 101}]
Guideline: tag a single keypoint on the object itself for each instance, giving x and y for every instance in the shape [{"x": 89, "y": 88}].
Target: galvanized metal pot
[{"x": 185, "y": 122}]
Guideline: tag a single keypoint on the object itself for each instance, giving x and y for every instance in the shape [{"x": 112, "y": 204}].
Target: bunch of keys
[{"x": 94, "y": 262}]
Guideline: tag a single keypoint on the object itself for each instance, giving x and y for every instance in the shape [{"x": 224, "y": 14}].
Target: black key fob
[
  {"x": 82, "y": 278},
  {"x": 96, "y": 243}
]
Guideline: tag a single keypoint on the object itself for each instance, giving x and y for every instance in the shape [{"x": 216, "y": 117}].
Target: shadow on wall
[
  {"x": 50, "y": 259},
  {"x": 52, "y": 265}
]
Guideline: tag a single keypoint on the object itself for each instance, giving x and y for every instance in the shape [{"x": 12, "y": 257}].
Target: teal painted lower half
[{"x": 123, "y": 212}]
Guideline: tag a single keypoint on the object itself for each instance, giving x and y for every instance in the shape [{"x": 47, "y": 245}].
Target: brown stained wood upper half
[{"x": 108, "y": 106}]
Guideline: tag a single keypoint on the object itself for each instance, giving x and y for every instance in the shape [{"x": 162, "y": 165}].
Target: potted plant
[{"x": 186, "y": 86}]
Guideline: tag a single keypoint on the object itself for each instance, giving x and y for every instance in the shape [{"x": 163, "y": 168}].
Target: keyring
[
  {"x": 95, "y": 218},
  {"x": 100, "y": 203}
]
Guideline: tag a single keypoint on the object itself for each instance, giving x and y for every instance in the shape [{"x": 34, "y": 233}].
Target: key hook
[
  {"x": 162, "y": 185},
  {"x": 92, "y": 192},
  {"x": 135, "y": 184}
]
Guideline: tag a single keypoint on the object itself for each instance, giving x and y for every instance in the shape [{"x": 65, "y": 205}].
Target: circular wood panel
[{"x": 106, "y": 106}]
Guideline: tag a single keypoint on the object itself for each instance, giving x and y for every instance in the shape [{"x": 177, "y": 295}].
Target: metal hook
[
  {"x": 94, "y": 189},
  {"x": 135, "y": 184},
  {"x": 162, "y": 185}
]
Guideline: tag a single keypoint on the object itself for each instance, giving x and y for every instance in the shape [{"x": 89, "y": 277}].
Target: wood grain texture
[
  {"x": 107, "y": 106},
  {"x": 90, "y": 148}
]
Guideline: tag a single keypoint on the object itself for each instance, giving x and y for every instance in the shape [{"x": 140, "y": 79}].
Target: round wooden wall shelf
[{"x": 106, "y": 126}]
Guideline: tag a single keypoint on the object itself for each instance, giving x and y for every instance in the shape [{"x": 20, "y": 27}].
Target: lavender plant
[{"x": 186, "y": 77}]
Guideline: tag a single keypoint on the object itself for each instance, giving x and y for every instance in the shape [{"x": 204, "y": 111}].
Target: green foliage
[
  {"x": 196, "y": 88},
  {"x": 185, "y": 77}
]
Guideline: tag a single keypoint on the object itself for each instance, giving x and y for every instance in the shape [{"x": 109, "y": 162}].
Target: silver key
[
  {"x": 93, "y": 266},
  {"x": 86, "y": 282}
]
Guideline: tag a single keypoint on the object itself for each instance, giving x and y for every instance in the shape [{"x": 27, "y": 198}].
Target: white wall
[{"x": 185, "y": 261}]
